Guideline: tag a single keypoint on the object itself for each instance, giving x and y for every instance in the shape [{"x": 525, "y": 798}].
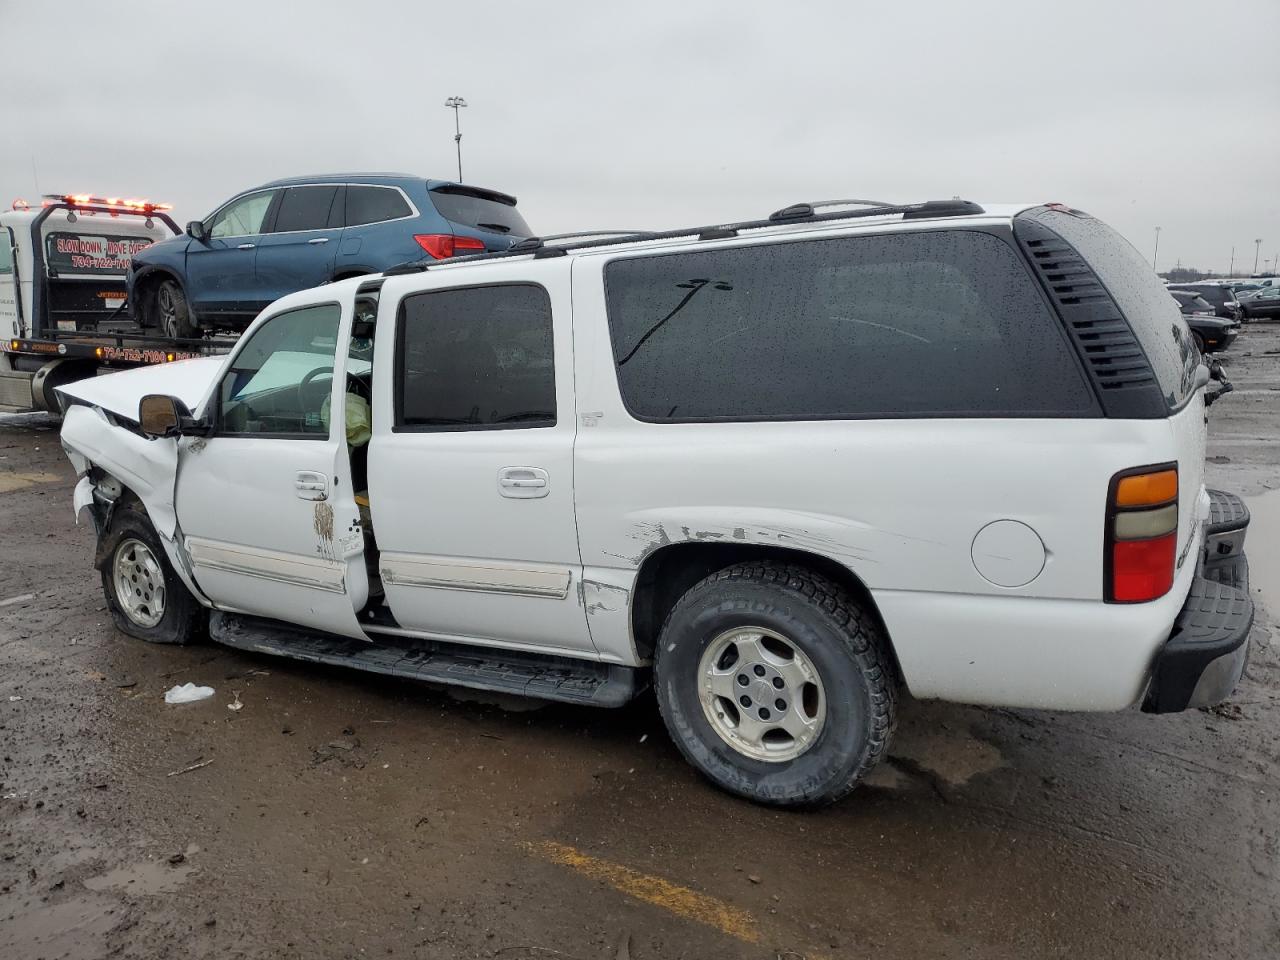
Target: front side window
[
  {"x": 281, "y": 380},
  {"x": 374, "y": 204},
  {"x": 944, "y": 323},
  {"x": 243, "y": 217},
  {"x": 304, "y": 208},
  {"x": 477, "y": 358},
  {"x": 6, "y": 251}
]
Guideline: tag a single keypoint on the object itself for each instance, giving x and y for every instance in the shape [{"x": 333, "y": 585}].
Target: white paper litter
[{"x": 187, "y": 693}]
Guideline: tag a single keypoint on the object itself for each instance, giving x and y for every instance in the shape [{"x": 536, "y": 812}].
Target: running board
[{"x": 545, "y": 677}]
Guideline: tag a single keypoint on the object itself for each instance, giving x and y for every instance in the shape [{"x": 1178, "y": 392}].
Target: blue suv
[{"x": 292, "y": 234}]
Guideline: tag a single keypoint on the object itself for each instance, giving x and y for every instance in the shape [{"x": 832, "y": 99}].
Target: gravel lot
[{"x": 342, "y": 815}]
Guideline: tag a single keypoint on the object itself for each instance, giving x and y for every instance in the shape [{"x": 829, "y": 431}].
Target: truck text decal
[{"x": 91, "y": 253}]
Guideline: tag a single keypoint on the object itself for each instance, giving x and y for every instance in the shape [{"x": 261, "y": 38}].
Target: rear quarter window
[
  {"x": 946, "y": 323},
  {"x": 369, "y": 204},
  {"x": 1154, "y": 316}
]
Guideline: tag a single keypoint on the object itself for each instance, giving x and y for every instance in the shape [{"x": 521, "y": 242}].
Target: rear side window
[
  {"x": 946, "y": 323},
  {"x": 304, "y": 208},
  {"x": 1152, "y": 314},
  {"x": 476, "y": 358},
  {"x": 480, "y": 210},
  {"x": 374, "y": 204}
]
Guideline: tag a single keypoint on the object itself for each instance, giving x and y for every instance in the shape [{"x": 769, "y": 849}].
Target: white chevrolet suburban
[{"x": 781, "y": 470}]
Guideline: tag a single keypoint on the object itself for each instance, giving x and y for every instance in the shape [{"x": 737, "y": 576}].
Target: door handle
[
  {"x": 318, "y": 240},
  {"x": 311, "y": 485},
  {"x": 246, "y": 246},
  {"x": 523, "y": 483}
]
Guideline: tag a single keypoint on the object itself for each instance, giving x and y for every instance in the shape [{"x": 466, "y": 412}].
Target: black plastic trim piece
[
  {"x": 1118, "y": 367},
  {"x": 542, "y": 676},
  {"x": 1214, "y": 623}
]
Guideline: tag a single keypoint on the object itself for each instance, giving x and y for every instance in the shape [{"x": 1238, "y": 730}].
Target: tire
[
  {"x": 1199, "y": 341},
  {"x": 790, "y": 606},
  {"x": 162, "y": 609},
  {"x": 172, "y": 313}
]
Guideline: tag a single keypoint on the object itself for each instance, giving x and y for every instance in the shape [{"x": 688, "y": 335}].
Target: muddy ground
[{"x": 342, "y": 815}]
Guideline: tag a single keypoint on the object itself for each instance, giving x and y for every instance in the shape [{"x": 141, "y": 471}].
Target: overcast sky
[{"x": 659, "y": 114}]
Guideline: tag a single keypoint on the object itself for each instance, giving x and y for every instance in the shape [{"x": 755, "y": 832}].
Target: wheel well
[
  {"x": 667, "y": 573},
  {"x": 145, "y": 286}
]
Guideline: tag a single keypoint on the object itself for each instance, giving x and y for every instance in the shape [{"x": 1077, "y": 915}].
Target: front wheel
[
  {"x": 146, "y": 598},
  {"x": 172, "y": 311},
  {"x": 775, "y": 684}
]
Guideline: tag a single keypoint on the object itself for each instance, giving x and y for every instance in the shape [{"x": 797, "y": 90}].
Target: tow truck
[{"x": 63, "y": 310}]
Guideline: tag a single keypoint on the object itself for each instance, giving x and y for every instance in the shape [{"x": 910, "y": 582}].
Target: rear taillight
[
  {"x": 441, "y": 246},
  {"x": 1142, "y": 534}
]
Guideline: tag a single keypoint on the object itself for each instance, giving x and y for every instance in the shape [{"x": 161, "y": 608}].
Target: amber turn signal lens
[{"x": 1143, "y": 489}]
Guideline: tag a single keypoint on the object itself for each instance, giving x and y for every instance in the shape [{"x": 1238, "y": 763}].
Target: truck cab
[{"x": 62, "y": 286}]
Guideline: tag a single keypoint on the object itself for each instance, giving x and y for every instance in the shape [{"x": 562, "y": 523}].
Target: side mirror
[
  {"x": 196, "y": 231},
  {"x": 161, "y": 416}
]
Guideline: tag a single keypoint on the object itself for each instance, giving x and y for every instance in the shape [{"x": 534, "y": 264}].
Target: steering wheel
[{"x": 304, "y": 400}]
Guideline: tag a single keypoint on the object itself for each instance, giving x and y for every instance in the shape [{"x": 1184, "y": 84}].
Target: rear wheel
[
  {"x": 172, "y": 313},
  {"x": 775, "y": 684},
  {"x": 146, "y": 598},
  {"x": 1199, "y": 341}
]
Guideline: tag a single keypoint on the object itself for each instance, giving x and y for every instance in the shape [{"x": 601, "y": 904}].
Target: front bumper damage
[{"x": 1206, "y": 652}]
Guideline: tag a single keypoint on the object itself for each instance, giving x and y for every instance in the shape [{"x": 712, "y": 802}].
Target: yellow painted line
[
  {"x": 10, "y": 482},
  {"x": 672, "y": 897}
]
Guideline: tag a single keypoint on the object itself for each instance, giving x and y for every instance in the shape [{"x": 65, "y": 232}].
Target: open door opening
[{"x": 359, "y": 424}]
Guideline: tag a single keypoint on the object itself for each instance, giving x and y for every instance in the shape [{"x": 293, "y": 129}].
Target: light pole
[
  {"x": 457, "y": 103},
  {"x": 1231, "y": 270},
  {"x": 1156, "y": 253},
  {"x": 1257, "y": 245}
]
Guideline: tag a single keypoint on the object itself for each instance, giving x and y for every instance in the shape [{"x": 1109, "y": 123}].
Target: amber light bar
[{"x": 118, "y": 204}]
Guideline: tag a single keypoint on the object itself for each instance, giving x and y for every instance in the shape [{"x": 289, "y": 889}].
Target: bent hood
[{"x": 119, "y": 393}]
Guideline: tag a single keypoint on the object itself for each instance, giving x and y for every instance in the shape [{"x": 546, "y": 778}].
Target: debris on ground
[
  {"x": 20, "y": 598},
  {"x": 237, "y": 705},
  {"x": 187, "y": 693},
  {"x": 188, "y": 769}
]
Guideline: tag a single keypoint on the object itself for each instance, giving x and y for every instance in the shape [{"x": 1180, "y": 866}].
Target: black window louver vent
[{"x": 1109, "y": 348}]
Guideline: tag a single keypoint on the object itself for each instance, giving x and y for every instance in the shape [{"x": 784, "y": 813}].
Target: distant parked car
[
  {"x": 1220, "y": 297},
  {"x": 289, "y": 235},
  {"x": 1209, "y": 332},
  {"x": 1263, "y": 303}
]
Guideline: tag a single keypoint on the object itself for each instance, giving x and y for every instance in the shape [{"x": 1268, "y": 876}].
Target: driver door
[
  {"x": 222, "y": 269},
  {"x": 266, "y": 506}
]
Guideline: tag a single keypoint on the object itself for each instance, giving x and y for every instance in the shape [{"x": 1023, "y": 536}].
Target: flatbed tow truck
[{"x": 63, "y": 310}]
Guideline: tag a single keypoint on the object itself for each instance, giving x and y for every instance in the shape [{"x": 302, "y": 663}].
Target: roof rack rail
[
  {"x": 797, "y": 210},
  {"x": 909, "y": 211}
]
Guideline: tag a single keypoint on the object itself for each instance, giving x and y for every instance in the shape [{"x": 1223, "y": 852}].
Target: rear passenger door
[
  {"x": 301, "y": 245},
  {"x": 471, "y": 462}
]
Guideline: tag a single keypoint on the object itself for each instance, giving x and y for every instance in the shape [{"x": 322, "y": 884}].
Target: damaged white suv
[{"x": 780, "y": 470}]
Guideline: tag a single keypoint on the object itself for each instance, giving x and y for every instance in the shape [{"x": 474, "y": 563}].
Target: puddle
[
  {"x": 1262, "y": 547},
  {"x": 70, "y": 930},
  {"x": 150, "y": 876}
]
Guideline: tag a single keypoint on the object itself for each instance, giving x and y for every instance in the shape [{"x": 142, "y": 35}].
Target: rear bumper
[{"x": 1205, "y": 655}]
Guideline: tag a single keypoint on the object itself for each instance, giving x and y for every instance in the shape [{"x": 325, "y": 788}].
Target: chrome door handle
[
  {"x": 319, "y": 240},
  {"x": 523, "y": 483},
  {"x": 245, "y": 246},
  {"x": 311, "y": 485}
]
